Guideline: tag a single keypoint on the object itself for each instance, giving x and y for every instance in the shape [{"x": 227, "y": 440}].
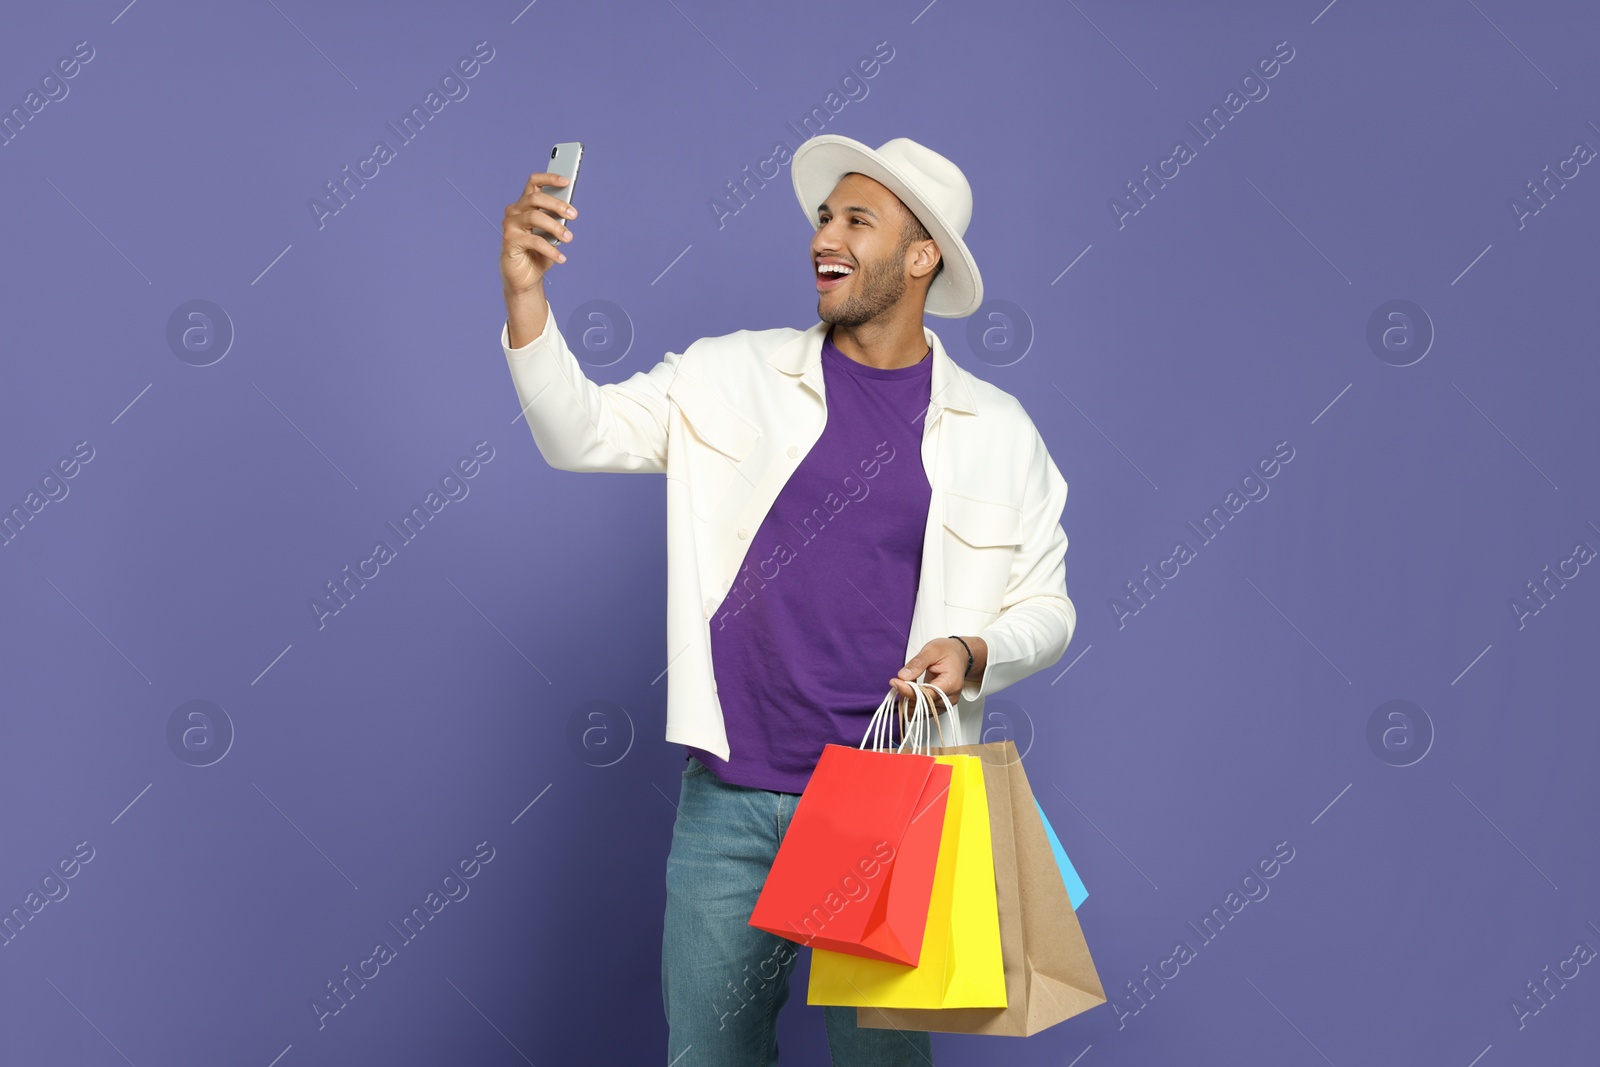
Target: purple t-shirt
[{"x": 816, "y": 621}]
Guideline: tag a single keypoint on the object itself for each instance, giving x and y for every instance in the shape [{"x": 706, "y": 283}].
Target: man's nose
[{"x": 825, "y": 240}]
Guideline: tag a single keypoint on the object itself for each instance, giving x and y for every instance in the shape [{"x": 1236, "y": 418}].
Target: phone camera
[{"x": 553, "y": 152}]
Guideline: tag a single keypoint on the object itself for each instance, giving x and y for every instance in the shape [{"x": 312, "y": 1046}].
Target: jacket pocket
[
  {"x": 981, "y": 542},
  {"x": 713, "y": 419},
  {"x": 720, "y": 440}
]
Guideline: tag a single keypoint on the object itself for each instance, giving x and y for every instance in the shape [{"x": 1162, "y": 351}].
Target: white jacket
[{"x": 730, "y": 418}]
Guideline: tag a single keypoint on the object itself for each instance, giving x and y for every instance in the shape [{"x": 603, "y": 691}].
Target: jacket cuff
[{"x": 1005, "y": 664}]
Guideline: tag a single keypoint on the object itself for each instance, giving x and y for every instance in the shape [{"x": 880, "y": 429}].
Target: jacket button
[
  {"x": 711, "y": 605},
  {"x": 794, "y": 450},
  {"x": 744, "y": 532}
]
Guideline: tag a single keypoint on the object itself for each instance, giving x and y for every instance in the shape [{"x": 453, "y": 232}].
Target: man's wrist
[
  {"x": 513, "y": 295},
  {"x": 527, "y": 312},
  {"x": 978, "y": 653}
]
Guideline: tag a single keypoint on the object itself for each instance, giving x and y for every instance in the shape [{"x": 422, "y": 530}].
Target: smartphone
[{"x": 564, "y": 160}]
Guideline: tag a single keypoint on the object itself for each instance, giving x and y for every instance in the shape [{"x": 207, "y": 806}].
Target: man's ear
[{"x": 925, "y": 259}]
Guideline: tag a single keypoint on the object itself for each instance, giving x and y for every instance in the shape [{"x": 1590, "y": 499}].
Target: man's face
[{"x": 861, "y": 227}]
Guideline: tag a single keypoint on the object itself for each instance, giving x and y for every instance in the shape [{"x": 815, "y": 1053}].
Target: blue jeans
[{"x": 722, "y": 980}]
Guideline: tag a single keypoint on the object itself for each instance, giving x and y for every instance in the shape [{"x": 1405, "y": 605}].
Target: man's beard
[{"x": 879, "y": 286}]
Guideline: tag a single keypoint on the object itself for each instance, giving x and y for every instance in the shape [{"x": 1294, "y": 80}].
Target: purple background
[{"x": 513, "y": 654}]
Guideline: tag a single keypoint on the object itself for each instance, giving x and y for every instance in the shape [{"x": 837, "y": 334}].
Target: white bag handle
[
  {"x": 925, "y": 706},
  {"x": 880, "y": 728},
  {"x": 914, "y": 728},
  {"x": 914, "y": 724}
]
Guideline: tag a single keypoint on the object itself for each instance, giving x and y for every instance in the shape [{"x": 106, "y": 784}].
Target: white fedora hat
[{"x": 932, "y": 187}]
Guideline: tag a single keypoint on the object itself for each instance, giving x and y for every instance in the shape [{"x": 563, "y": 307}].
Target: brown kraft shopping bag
[{"x": 1049, "y": 974}]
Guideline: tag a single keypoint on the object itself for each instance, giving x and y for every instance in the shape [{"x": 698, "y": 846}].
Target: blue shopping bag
[{"x": 1069, "y": 874}]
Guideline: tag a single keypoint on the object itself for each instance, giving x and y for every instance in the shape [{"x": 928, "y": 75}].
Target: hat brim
[{"x": 822, "y": 161}]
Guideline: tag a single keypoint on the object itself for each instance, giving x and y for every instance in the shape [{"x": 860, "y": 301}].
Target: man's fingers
[
  {"x": 534, "y": 220},
  {"x": 914, "y": 667},
  {"x": 548, "y": 206},
  {"x": 542, "y": 178},
  {"x": 515, "y": 238},
  {"x": 943, "y": 672},
  {"x": 941, "y": 680},
  {"x": 526, "y": 227},
  {"x": 533, "y": 195},
  {"x": 543, "y": 200},
  {"x": 535, "y": 225}
]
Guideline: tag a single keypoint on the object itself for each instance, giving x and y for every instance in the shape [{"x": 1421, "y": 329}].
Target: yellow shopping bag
[{"x": 961, "y": 964}]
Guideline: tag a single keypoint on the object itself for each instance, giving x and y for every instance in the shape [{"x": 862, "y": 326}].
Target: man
[{"x": 840, "y": 500}]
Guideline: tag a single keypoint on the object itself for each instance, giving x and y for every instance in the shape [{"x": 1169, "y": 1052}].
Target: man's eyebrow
[{"x": 853, "y": 207}]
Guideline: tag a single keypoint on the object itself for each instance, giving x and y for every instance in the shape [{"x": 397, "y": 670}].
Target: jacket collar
[{"x": 802, "y": 355}]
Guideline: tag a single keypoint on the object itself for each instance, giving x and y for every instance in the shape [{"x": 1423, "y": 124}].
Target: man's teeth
[{"x": 833, "y": 268}]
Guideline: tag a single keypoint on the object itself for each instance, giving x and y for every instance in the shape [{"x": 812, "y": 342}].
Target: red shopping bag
[{"x": 855, "y": 870}]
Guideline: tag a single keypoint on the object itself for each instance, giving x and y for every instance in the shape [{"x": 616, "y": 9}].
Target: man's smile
[{"x": 832, "y": 273}]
